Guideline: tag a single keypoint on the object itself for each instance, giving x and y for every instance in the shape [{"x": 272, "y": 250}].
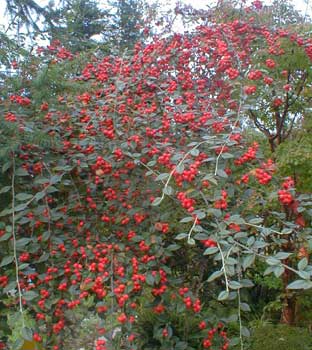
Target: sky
[{"x": 304, "y": 6}]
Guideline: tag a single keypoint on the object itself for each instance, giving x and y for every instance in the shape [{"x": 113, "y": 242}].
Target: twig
[
  {"x": 261, "y": 228},
  {"x": 265, "y": 257},
  {"x": 240, "y": 320},
  {"x": 175, "y": 168},
  {"x": 239, "y": 275},
  {"x": 223, "y": 268},
  {"x": 238, "y": 110},
  {"x": 191, "y": 230},
  {"x": 14, "y": 245}
]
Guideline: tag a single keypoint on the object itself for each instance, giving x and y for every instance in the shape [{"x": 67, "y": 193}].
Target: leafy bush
[{"x": 280, "y": 337}]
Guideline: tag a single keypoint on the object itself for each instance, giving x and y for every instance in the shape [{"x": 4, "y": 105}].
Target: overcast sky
[{"x": 302, "y": 5}]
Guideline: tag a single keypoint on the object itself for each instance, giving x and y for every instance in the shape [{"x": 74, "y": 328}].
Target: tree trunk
[{"x": 289, "y": 301}]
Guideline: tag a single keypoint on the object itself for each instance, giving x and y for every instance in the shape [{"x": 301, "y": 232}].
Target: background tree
[
  {"x": 77, "y": 22},
  {"x": 128, "y": 22}
]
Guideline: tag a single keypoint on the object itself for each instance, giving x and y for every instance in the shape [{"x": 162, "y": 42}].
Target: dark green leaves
[{"x": 7, "y": 260}]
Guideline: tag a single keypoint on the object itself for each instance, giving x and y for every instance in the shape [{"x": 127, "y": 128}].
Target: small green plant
[{"x": 280, "y": 337}]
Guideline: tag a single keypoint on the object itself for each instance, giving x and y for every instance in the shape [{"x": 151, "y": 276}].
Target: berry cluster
[
  {"x": 249, "y": 155},
  {"x": 262, "y": 176},
  {"x": 255, "y": 75},
  {"x": 187, "y": 203},
  {"x": 249, "y": 90},
  {"x": 285, "y": 197},
  {"x": 222, "y": 202},
  {"x": 270, "y": 63}
]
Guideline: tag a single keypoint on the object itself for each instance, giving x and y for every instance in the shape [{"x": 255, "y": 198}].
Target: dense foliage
[{"x": 133, "y": 194}]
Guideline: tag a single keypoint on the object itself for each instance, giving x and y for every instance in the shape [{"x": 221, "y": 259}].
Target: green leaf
[
  {"x": 303, "y": 274},
  {"x": 246, "y": 283},
  {"x": 173, "y": 247},
  {"x": 250, "y": 241},
  {"x": 194, "y": 152},
  {"x": 181, "y": 345},
  {"x": 302, "y": 264},
  {"x": 51, "y": 189},
  {"x": 231, "y": 261},
  {"x": 55, "y": 179},
  {"x": 150, "y": 280},
  {"x": 151, "y": 163},
  {"x": 244, "y": 307},
  {"x": 181, "y": 236},
  {"x": 235, "y": 285},
  {"x": 234, "y": 341},
  {"x": 214, "y": 276},
  {"x": 260, "y": 244},
  {"x": 5, "y": 212},
  {"x": 27, "y": 333},
  {"x": 187, "y": 219},
  {"x": 268, "y": 270},
  {"x": 6, "y": 166},
  {"x": 236, "y": 219},
  {"x": 18, "y": 343},
  {"x": 245, "y": 331},
  {"x": 40, "y": 195},
  {"x": 120, "y": 85},
  {"x": 168, "y": 190},
  {"x": 248, "y": 261},
  {"x": 222, "y": 173},
  {"x": 30, "y": 295},
  {"x": 223, "y": 295},
  {"x": 44, "y": 257},
  {"x": 45, "y": 236},
  {"x": 23, "y": 266},
  {"x": 282, "y": 255},
  {"x": 201, "y": 236},
  {"x": 256, "y": 221},
  {"x": 287, "y": 231},
  {"x": 179, "y": 169},
  {"x": 5, "y": 189},
  {"x": 227, "y": 155},
  {"x": 200, "y": 214},
  {"x": 21, "y": 172},
  {"x": 192, "y": 144},
  {"x": 272, "y": 261},
  {"x": 300, "y": 284},
  {"x": 23, "y": 196},
  {"x": 215, "y": 212},
  {"x": 41, "y": 181},
  {"x": 10, "y": 287},
  {"x": 211, "y": 250},
  {"x": 191, "y": 241},
  {"x": 20, "y": 207},
  {"x": 7, "y": 260},
  {"x": 210, "y": 178},
  {"x": 278, "y": 270},
  {"x": 157, "y": 201},
  {"x": 162, "y": 177},
  {"x": 6, "y": 236},
  {"x": 22, "y": 242}
]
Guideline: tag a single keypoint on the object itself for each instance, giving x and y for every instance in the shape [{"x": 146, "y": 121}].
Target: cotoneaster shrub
[{"x": 146, "y": 195}]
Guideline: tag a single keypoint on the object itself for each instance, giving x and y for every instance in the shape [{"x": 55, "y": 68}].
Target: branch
[
  {"x": 175, "y": 168},
  {"x": 14, "y": 244},
  {"x": 261, "y": 127},
  {"x": 290, "y": 127},
  {"x": 227, "y": 288},
  {"x": 265, "y": 257}
]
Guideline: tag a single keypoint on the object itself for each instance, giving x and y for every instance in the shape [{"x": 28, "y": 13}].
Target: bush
[{"x": 280, "y": 337}]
